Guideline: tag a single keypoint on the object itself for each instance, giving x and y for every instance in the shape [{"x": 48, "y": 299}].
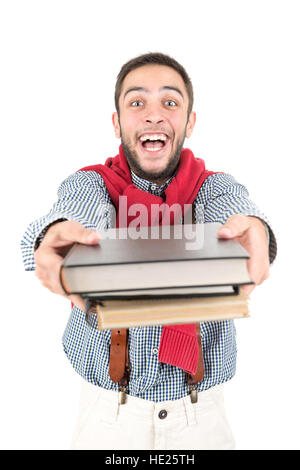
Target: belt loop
[
  {"x": 116, "y": 409},
  {"x": 190, "y": 411}
]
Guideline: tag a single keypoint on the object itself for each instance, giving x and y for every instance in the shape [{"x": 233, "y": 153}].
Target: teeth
[
  {"x": 153, "y": 149},
  {"x": 153, "y": 137}
]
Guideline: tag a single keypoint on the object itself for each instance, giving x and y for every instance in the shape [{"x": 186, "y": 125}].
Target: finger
[
  {"x": 47, "y": 260},
  {"x": 264, "y": 277},
  {"x": 266, "y": 274},
  {"x": 258, "y": 264},
  {"x": 78, "y": 301},
  {"x": 46, "y": 257},
  {"x": 48, "y": 268},
  {"x": 248, "y": 288},
  {"x": 234, "y": 226},
  {"x": 51, "y": 284},
  {"x": 39, "y": 273},
  {"x": 44, "y": 279}
]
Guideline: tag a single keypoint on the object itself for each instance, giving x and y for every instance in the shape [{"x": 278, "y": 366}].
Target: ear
[
  {"x": 115, "y": 121},
  {"x": 190, "y": 124}
]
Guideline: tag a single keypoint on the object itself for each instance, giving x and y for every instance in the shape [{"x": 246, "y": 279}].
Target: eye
[
  {"x": 136, "y": 103},
  {"x": 172, "y": 103}
]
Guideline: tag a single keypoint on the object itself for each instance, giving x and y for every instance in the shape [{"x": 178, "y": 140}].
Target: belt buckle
[
  {"x": 193, "y": 393},
  {"x": 122, "y": 395}
]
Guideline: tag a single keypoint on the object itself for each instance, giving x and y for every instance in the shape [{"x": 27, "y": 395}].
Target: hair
[{"x": 148, "y": 59}]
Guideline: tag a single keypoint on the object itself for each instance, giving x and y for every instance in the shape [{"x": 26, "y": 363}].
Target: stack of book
[{"x": 162, "y": 275}]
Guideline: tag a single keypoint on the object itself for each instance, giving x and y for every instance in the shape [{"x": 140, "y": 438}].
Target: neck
[{"x": 157, "y": 179}]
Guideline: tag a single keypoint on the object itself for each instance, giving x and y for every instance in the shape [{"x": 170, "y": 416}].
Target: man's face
[{"x": 153, "y": 105}]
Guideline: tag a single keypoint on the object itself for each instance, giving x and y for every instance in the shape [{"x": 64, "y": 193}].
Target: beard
[{"x": 165, "y": 174}]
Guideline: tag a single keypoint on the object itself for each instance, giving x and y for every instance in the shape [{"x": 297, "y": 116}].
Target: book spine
[{"x": 62, "y": 280}]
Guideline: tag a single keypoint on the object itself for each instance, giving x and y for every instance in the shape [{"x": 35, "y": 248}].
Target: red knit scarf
[{"x": 178, "y": 345}]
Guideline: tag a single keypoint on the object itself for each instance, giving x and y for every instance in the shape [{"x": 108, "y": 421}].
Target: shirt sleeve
[
  {"x": 82, "y": 197},
  {"x": 222, "y": 196}
]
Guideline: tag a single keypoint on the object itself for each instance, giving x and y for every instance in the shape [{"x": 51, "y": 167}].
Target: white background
[{"x": 59, "y": 61}]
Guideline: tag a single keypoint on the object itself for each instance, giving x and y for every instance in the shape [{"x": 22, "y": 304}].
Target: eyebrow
[{"x": 145, "y": 90}]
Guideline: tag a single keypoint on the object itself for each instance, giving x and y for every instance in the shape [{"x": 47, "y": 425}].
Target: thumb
[
  {"x": 234, "y": 226},
  {"x": 91, "y": 236},
  {"x": 71, "y": 231}
]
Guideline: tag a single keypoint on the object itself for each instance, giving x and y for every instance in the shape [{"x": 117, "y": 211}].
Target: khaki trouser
[{"x": 143, "y": 424}]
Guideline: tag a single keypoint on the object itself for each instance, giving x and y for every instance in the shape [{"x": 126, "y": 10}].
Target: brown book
[{"x": 132, "y": 313}]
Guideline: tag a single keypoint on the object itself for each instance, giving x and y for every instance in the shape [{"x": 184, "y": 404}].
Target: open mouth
[{"x": 153, "y": 142}]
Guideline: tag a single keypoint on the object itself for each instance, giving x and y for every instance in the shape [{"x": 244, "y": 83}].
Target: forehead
[{"x": 153, "y": 77}]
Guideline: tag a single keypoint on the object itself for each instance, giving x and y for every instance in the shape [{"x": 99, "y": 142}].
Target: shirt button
[
  {"x": 162, "y": 414},
  {"x": 154, "y": 351},
  {"x": 153, "y": 188}
]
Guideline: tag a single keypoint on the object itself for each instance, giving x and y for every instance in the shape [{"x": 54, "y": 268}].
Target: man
[{"x": 154, "y": 114}]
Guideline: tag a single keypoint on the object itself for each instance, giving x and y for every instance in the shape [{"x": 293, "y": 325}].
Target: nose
[
  {"x": 154, "y": 120},
  {"x": 154, "y": 115}
]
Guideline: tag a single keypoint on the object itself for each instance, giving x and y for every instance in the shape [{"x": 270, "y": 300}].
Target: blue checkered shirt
[{"x": 83, "y": 197}]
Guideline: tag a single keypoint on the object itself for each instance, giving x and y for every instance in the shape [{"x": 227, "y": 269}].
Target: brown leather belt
[
  {"x": 119, "y": 365},
  {"x": 193, "y": 380}
]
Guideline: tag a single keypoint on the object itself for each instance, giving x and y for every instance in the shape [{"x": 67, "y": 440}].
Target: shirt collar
[{"x": 149, "y": 186}]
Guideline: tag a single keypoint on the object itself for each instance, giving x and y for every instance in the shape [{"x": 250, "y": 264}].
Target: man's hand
[
  {"x": 50, "y": 254},
  {"x": 251, "y": 234}
]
